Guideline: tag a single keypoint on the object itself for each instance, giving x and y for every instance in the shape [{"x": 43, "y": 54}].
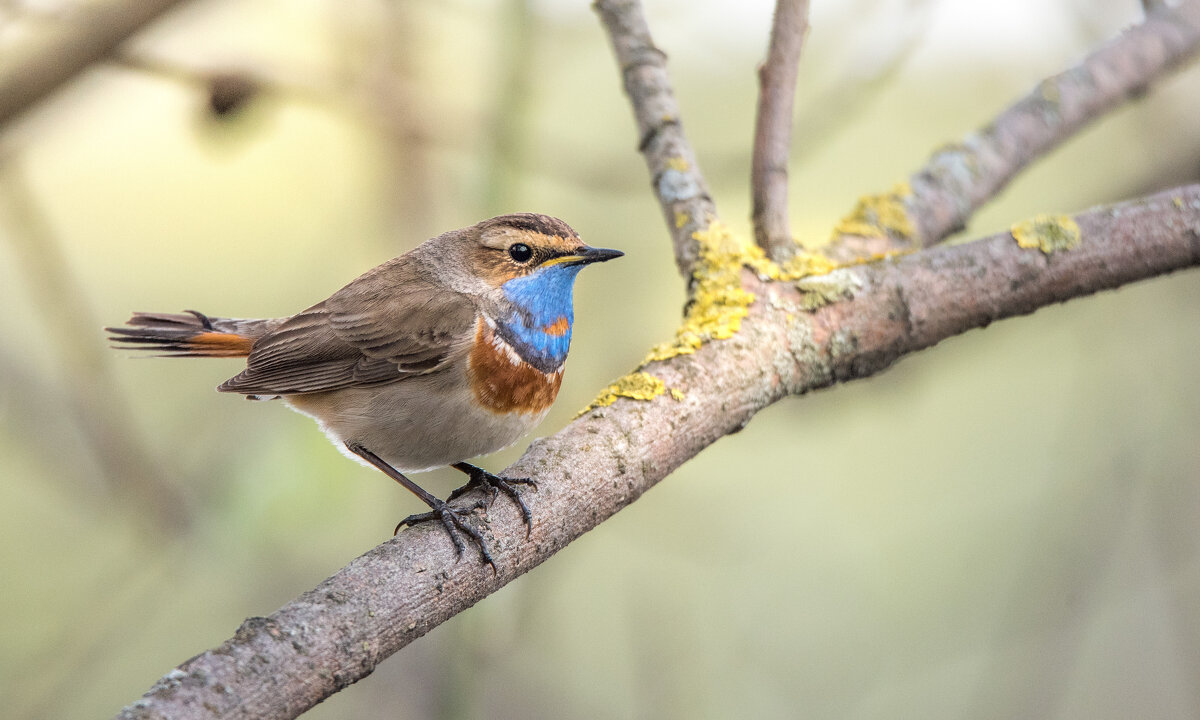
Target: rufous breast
[{"x": 504, "y": 383}]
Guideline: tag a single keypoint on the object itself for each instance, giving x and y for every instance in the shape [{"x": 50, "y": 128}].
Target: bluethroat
[{"x": 452, "y": 350}]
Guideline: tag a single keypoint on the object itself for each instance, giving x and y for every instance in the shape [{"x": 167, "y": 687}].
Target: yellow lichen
[
  {"x": 636, "y": 386},
  {"x": 1178, "y": 201},
  {"x": 805, "y": 264},
  {"x": 879, "y": 216},
  {"x": 718, "y": 301},
  {"x": 681, "y": 219},
  {"x": 678, "y": 163},
  {"x": 1048, "y": 233}
]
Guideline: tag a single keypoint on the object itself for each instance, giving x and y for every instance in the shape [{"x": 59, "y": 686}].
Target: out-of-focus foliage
[{"x": 1003, "y": 526}]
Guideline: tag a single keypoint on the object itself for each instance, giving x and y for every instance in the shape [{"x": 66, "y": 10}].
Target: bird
[{"x": 450, "y": 351}]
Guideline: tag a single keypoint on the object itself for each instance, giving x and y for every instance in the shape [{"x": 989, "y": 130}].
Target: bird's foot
[
  {"x": 455, "y": 520},
  {"x": 495, "y": 484}
]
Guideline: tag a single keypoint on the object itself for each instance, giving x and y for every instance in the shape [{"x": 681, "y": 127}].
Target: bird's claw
[
  {"x": 455, "y": 521},
  {"x": 495, "y": 484}
]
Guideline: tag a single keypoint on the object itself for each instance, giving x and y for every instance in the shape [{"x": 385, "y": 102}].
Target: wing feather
[{"x": 389, "y": 324}]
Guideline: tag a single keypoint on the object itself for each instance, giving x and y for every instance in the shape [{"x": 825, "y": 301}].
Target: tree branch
[
  {"x": 796, "y": 337},
  {"x": 674, "y": 173},
  {"x": 773, "y": 130},
  {"x": 42, "y": 60},
  {"x": 940, "y": 198}
]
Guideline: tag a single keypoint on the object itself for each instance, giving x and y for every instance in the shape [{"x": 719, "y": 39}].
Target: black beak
[{"x": 591, "y": 255}]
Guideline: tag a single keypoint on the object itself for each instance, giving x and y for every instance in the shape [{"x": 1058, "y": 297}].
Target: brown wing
[{"x": 384, "y": 326}]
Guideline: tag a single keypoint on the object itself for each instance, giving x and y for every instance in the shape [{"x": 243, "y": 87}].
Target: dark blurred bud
[{"x": 228, "y": 93}]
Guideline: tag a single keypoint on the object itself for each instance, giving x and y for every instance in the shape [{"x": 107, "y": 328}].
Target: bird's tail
[{"x": 188, "y": 334}]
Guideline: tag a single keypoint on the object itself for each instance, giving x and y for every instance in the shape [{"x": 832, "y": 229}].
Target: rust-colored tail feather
[{"x": 188, "y": 334}]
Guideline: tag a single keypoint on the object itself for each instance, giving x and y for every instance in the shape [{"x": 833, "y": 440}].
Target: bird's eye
[{"x": 520, "y": 252}]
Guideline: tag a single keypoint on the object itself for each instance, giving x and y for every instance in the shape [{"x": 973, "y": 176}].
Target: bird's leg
[
  {"x": 453, "y": 519},
  {"x": 495, "y": 485}
]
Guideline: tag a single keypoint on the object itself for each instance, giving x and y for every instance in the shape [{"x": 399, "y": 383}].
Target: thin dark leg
[
  {"x": 453, "y": 519},
  {"x": 496, "y": 484}
]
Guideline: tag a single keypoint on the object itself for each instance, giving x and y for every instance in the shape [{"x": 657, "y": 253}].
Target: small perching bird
[{"x": 452, "y": 350}]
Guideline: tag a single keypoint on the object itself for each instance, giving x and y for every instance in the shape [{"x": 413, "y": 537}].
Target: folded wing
[{"x": 385, "y": 326}]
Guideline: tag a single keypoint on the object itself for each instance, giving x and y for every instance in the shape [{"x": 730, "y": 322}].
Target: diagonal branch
[
  {"x": 796, "y": 337},
  {"x": 941, "y": 197},
  {"x": 773, "y": 130},
  {"x": 44, "y": 58},
  {"x": 674, "y": 173}
]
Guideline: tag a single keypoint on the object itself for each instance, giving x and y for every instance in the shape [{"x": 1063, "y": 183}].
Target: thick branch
[
  {"x": 773, "y": 130},
  {"x": 332, "y": 636},
  {"x": 940, "y": 198},
  {"x": 675, "y": 176},
  {"x": 47, "y": 56}
]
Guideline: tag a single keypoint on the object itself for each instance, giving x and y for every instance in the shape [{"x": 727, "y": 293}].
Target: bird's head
[
  {"x": 531, "y": 248},
  {"x": 530, "y": 262}
]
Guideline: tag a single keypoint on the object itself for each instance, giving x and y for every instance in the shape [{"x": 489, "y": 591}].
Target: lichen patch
[
  {"x": 820, "y": 290},
  {"x": 635, "y": 386},
  {"x": 719, "y": 302},
  {"x": 879, "y": 216},
  {"x": 1048, "y": 233}
]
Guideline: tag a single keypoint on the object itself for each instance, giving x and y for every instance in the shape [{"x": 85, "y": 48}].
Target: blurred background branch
[
  {"x": 85, "y": 385},
  {"x": 52, "y": 50}
]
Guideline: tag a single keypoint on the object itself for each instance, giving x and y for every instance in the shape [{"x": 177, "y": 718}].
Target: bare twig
[
  {"x": 773, "y": 130},
  {"x": 41, "y": 61},
  {"x": 334, "y": 635},
  {"x": 938, "y": 199},
  {"x": 676, "y": 178}
]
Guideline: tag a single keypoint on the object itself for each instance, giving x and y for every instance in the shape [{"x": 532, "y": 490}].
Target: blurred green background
[{"x": 1007, "y": 525}]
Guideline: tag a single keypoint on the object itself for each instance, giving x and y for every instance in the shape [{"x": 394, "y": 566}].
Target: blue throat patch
[{"x": 540, "y": 329}]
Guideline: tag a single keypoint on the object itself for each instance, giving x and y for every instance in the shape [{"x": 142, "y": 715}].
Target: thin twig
[
  {"x": 940, "y": 198},
  {"x": 773, "y": 130},
  {"x": 279, "y": 666},
  {"x": 675, "y": 176}
]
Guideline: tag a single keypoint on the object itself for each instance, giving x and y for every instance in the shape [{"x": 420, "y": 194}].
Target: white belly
[{"x": 420, "y": 423}]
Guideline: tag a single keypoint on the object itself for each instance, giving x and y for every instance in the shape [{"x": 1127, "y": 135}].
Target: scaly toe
[{"x": 455, "y": 521}]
